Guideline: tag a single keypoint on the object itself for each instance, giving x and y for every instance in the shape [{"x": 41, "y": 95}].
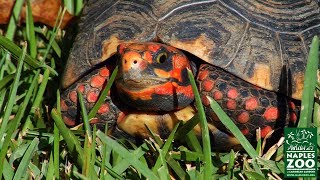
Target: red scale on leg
[
  {"x": 63, "y": 105},
  {"x": 104, "y": 108},
  {"x": 243, "y": 117},
  {"x": 203, "y": 75},
  {"x": 231, "y": 104},
  {"x": 81, "y": 88},
  {"x": 97, "y": 81},
  {"x": 205, "y": 100},
  {"x": 251, "y": 104},
  {"x": 217, "y": 95},
  {"x": 73, "y": 96},
  {"x": 92, "y": 96},
  {"x": 104, "y": 72},
  {"x": 232, "y": 93},
  {"x": 207, "y": 85},
  {"x": 245, "y": 131},
  {"x": 271, "y": 114},
  {"x": 265, "y": 131}
]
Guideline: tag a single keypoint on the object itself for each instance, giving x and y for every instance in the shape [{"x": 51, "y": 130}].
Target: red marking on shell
[
  {"x": 243, "y": 117},
  {"x": 104, "y": 72},
  {"x": 265, "y": 131},
  {"x": 217, "y": 95},
  {"x": 205, "y": 100},
  {"x": 104, "y": 108},
  {"x": 293, "y": 117},
  {"x": 63, "y": 105},
  {"x": 292, "y": 105},
  {"x": 232, "y": 93},
  {"x": 97, "y": 81},
  {"x": 81, "y": 88},
  {"x": 68, "y": 121},
  {"x": 231, "y": 104},
  {"x": 73, "y": 96},
  {"x": 92, "y": 96},
  {"x": 245, "y": 131},
  {"x": 271, "y": 114},
  {"x": 203, "y": 75},
  {"x": 251, "y": 104},
  {"x": 207, "y": 85}
]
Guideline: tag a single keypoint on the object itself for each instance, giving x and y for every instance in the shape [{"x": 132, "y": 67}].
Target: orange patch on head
[
  {"x": 185, "y": 90},
  {"x": 271, "y": 114},
  {"x": 147, "y": 56},
  {"x": 207, "y": 85},
  {"x": 97, "y": 81},
  {"x": 243, "y": 117},
  {"x": 165, "y": 89},
  {"x": 162, "y": 74},
  {"x": 265, "y": 131},
  {"x": 251, "y": 104},
  {"x": 231, "y": 104},
  {"x": 232, "y": 93},
  {"x": 154, "y": 47}
]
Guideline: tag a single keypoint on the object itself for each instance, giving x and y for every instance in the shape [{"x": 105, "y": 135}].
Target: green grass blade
[
  {"x": 12, "y": 96},
  {"x": 16, "y": 51},
  {"x": 134, "y": 161},
  {"x": 310, "y": 80},
  {"x": 232, "y": 127},
  {"x": 30, "y": 31},
  {"x": 14, "y": 19},
  {"x": 204, "y": 129},
  {"x": 74, "y": 7},
  {"x": 51, "y": 169},
  {"x": 56, "y": 143},
  {"x": 231, "y": 164},
  {"x": 165, "y": 149},
  {"x": 6, "y": 80},
  {"x": 85, "y": 117},
  {"x": 71, "y": 140},
  {"x": 22, "y": 168}
]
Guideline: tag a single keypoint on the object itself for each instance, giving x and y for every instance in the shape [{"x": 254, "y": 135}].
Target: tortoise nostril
[
  {"x": 125, "y": 61},
  {"x": 135, "y": 62}
]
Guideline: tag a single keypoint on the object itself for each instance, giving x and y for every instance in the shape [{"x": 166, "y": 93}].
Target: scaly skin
[{"x": 156, "y": 74}]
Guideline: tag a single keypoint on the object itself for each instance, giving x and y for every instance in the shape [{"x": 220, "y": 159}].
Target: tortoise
[{"x": 248, "y": 55}]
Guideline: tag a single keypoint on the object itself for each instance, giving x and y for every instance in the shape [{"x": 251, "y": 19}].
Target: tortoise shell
[{"x": 263, "y": 42}]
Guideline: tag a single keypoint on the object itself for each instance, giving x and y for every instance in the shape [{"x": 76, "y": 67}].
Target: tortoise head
[{"x": 153, "y": 76}]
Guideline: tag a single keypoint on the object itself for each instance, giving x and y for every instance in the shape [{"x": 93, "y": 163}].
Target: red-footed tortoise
[{"x": 250, "y": 57}]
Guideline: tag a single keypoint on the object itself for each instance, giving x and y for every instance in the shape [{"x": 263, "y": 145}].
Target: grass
[{"x": 35, "y": 143}]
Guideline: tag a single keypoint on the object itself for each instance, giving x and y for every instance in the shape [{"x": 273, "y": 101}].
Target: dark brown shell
[{"x": 263, "y": 42}]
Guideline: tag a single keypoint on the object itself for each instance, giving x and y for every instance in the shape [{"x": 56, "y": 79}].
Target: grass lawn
[{"x": 35, "y": 143}]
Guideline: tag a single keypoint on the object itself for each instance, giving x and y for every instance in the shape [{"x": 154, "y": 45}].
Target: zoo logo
[{"x": 300, "y": 152}]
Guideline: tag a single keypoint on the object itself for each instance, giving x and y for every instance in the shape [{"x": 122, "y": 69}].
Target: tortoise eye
[{"x": 162, "y": 57}]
